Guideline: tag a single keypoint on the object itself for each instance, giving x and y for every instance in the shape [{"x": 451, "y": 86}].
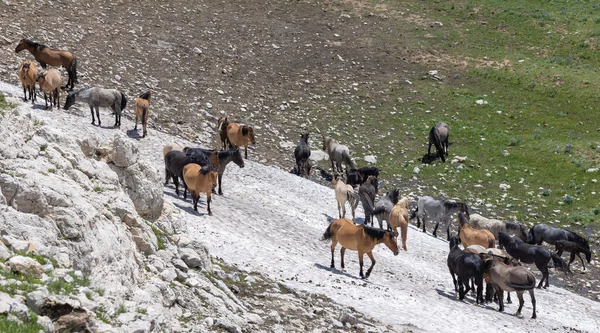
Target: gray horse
[
  {"x": 338, "y": 154},
  {"x": 99, "y": 97},
  {"x": 438, "y": 136},
  {"x": 439, "y": 210}
]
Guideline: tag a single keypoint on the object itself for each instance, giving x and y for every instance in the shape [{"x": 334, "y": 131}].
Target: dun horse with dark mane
[
  {"x": 47, "y": 56},
  {"x": 358, "y": 238}
]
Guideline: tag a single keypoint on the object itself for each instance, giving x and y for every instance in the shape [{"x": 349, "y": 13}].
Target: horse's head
[
  {"x": 70, "y": 100},
  {"x": 237, "y": 158},
  {"x": 25, "y": 65},
  {"x": 304, "y": 137},
  {"x": 22, "y": 45},
  {"x": 391, "y": 241},
  {"x": 249, "y": 132},
  {"x": 41, "y": 75},
  {"x": 334, "y": 179},
  {"x": 503, "y": 238},
  {"x": 220, "y": 122},
  {"x": 522, "y": 232},
  {"x": 454, "y": 241},
  {"x": 214, "y": 176}
]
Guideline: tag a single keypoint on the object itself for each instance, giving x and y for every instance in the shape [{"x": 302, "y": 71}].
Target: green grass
[
  {"x": 60, "y": 286},
  {"x": 161, "y": 236},
  {"x": 536, "y": 66},
  {"x": 8, "y": 326},
  {"x": 25, "y": 284}
]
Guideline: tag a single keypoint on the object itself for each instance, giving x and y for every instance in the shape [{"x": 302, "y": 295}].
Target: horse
[
  {"x": 469, "y": 236},
  {"x": 171, "y": 146},
  {"x": 142, "y": 103},
  {"x": 544, "y": 233},
  {"x": 495, "y": 226},
  {"x": 510, "y": 278},
  {"x": 398, "y": 217},
  {"x": 49, "y": 81},
  {"x": 47, "y": 56},
  {"x": 356, "y": 177},
  {"x": 239, "y": 135},
  {"x": 438, "y": 136},
  {"x": 199, "y": 180},
  {"x": 529, "y": 254},
  {"x": 218, "y": 159},
  {"x": 382, "y": 208},
  {"x": 28, "y": 74},
  {"x": 343, "y": 193},
  {"x": 359, "y": 238},
  {"x": 222, "y": 124},
  {"x": 574, "y": 249},
  {"x": 302, "y": 153},
  {"x": 439, "y": 210},
  {"x": 99, "y": 97},
  {"x": 367, "y": 192},
  {"x": 175, "y": 161},
  {"x": 466, "y": 266},
  {"x": 338, "y": 154}
]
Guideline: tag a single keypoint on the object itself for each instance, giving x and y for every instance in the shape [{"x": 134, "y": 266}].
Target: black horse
[
  {"x": 302, "y": 153},
  {"x": 356, "y": 177},
  {"x": 218, "y": 160},
  {"x": 574, "y": 249},
  {"x": 367, "y": 192},
  {"x": 532, "y": 254},
  {"x": 438, "y": 136},
  {"x": 466, "y": 266},
  {"x": 544, "y": 233},
  {"x": 175, "y": 161}
]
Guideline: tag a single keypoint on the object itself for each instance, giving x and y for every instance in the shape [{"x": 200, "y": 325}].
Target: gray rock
[
  {"x": 5, "y": 301},
  {"x": 144, "y": 187},
  {"x": 25, "y": 265},
  {"x": 4, "y": 252},
  {"x": 191, "y": 258},
  {"x": 168, "y": 275},
  {"x": 348, "y": 318},
  {"x": 46, "y": 323},
  {"x": 125, "y": 152},
  {"x": 228, "y": 325},
  {"x": 139, "y": 326},
  {"x": 20, "y": 310},
  {"x": 35, "y": 300},
  {"x": 180, "y": 264}
]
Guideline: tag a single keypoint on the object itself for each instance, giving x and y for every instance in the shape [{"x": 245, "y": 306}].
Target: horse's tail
[
  {"x": 144, "y": 114},
  {"x": 73, "y": 69},
  {"x": 327, "y": 234},
  {"x": 368, "y": 205},
  {"x": 353, "y": 199},
  {"x": 438, "y": 143},
  {"x": 348, "y": 161},
  {"x": 491, "y": 243},
  {"x": 123, "y": 101},
  {"x": 560, "y": 263}
]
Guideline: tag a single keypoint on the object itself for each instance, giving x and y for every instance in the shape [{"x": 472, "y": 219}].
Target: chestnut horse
[
  {"x": 358, "y": 237},
  {"x": 469, "y": 236},
  {"x": 399, "y": 218},
  {"x": 142, "y": 103},
  {"x": 47, "y": 56}
]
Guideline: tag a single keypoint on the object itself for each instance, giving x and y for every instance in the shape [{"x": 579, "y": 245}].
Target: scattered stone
[{"x": 26, "y": 266}]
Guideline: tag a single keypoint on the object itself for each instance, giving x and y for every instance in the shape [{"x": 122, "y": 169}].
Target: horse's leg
[
  {"x": 167, "y": 175},
  {"x": 195, "y": 201},
  {"x": 98, "y": 115},
  {"x": 360, "y": 262},
  {"x": 332, "y": 166},
  {"x": 454, "y": 281},
  {"x": 25, "y": 93},
  {"x": 531, "y": 293},
  {"x": 342, "y": 252},
  {"x": 521, "y": 301},
  {"x": 429, "y": 149},
  {"x": 220, "y": 177},
  {"x": 208, "y": 203},
  {"x": 500, "y": 293},
  {"x": 176, "y": 182},
  {"x": 136, "y": 120},
  {"x": 437, "y": 224},
  {"x": 479, "y": 283},
  {"x": 339, "y": 209},
  {"x": 246, "y": 151},
  {"x": 447, "y": 230},
  {"x": 545, "y": 275},
  {"x": 508, "y": 300},
  {"x": 333, "y": 245},
  {"x": 461, "y": 288},
  {"x": 370, "y": 254},
  {"x": 43, "y": 64}
]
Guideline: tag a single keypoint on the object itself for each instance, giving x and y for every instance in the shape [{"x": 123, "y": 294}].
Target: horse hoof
[{"x": 220, "y": 193}]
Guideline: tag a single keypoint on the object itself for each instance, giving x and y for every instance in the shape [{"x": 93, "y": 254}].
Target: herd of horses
[
  {"x": 492, "y": 250},
  {"x": 201, "y": 170}
]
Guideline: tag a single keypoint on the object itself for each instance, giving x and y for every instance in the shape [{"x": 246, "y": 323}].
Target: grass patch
[
  {"x": 141, "y": 311},
  {"x": 9, "y": 326},
  {"x": 21, "y": 284},
  {"x": 103, "y": 315},
  {"x": 60, "y": 286},
  {"x": 161, "y": 236},
  {"x": 98, "y": 189}
]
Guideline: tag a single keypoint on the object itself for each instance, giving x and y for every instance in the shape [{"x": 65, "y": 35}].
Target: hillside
[{"x": 268, "y": 222}]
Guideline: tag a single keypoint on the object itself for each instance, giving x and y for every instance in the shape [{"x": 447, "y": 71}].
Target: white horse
[
  {"x": 99, "y": 97},
  {"x": 338, "y": 153},
  {"x": 496, "y": 226},
  {"x": 438, "y": 210}
]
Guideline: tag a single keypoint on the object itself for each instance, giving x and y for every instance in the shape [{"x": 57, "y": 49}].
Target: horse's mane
[
  {"x": 394, "y": 195},
  {"x": 224, "y": 153},
  {"x": 34, "y": 44},
  {"x": 512, "y": 225},
  {"x": 205, "y": 169},
  {"x": 463, "y": 219},
  {"x": 374, "y": 232},
  {"x": 579, "y": 238},
  {"x": 145, "y": 95}
]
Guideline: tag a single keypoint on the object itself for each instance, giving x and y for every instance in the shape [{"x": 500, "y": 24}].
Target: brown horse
[
  {"x": 222, "y": 124},
  {"x": 239, "y": 135},
  {"x": 469, "y": 236},
  {"x": 399, "y": 218},
  {"x": 358, "y": 238},
  {"x": 142, "y": 103},
  {"x": 47, "y": 56},
  {"x": 198, "y": 180},
  {"x": 28, "y": 75}
]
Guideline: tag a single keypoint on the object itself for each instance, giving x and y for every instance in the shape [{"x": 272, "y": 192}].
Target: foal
[
  {"x": 142, "y": 103},
  {"x": 27, "y": 75},
  {"x": 343, "y": 193},
  {"x": 45, "y": 55},
  {"x": 574, "y": 249}
]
